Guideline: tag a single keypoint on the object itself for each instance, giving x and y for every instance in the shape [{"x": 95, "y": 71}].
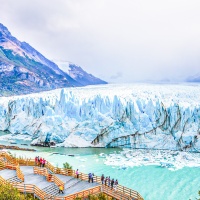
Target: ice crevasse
[{"x": 136, "y": 116}]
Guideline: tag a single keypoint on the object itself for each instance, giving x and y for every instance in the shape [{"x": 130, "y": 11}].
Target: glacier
[{"x": 149, "y": 116}]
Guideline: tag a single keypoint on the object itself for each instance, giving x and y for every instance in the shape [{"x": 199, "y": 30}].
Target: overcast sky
[{"x": 116, "y": 40}]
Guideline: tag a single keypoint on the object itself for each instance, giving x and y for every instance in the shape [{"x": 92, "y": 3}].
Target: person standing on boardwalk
[
  {"x": 102, "y": 179},
  {"x": 112, "y": 183},
  {"x": 115, "y": 185},
  {"x": 41, "y": 162},
  {"x": 60, "y": 189},
  {"x": 92, "y": 177},
  {"x": 36, "y": 161},
  {"x": 77, "y": 173},
  {"x": 106, "y": 180},
  {"x": 89, "y": 177},
  {"x": 109, "y": 181}
]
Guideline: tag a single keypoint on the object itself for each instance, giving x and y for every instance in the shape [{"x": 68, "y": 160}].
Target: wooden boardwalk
[{"x": 44, "y": 182}]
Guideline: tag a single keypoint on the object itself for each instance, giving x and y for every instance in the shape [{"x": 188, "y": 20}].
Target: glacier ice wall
[{"x": 137, "y": 116}]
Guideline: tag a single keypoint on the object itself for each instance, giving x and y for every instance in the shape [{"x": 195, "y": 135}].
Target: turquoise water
[{"x": 152, "y": 182}]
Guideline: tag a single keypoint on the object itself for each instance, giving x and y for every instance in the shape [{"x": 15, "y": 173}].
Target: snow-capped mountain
[
  {"x": 24, "y": 70},
  {"x": 78, "y": 74},
  {"x": 137, "y": 116},
  {"x": 195, "y": 78}
]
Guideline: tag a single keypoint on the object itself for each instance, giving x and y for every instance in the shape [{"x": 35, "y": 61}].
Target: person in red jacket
[{"x": 41, "y": 162}]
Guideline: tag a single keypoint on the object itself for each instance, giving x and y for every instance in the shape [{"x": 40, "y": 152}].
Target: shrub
[
  {"x": 78, "y": 198},
  {"x": 100, "y": 196},
  {"x": 7, "y": 191},
  {"x": 67, "y": 166}
]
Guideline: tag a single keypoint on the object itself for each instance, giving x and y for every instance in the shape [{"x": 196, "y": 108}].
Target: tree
[
  {"x": 67, "y": 165},
  {"x": 7, "y": 191}
]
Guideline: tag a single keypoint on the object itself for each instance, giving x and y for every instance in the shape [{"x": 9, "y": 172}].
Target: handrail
[
  {"x": 19, "y": 173},
  {"x": 82, "y": 194},
  {"x": 2, "y": 165},
  {"x": 58, "y": 182},
  {"x": 40, "y": 171},
  {"x": 2, "y": 180},
  {"x": 49, "y": 177},
  {"x": 29, "y": 188},
  {"x": 122, "y": 190}
]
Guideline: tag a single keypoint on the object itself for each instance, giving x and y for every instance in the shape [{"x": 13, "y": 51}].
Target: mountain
[
  {"x": 195, "y": 78},
  {"x": 78, "y": 74},
  {"x": 24, "y": 70}
]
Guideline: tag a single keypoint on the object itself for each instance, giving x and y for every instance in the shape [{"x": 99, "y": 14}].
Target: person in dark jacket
[
  {"x": 102, "y": 179},
  {"x": 89, "y": 177},
  {"x": 112, "y": 183}
]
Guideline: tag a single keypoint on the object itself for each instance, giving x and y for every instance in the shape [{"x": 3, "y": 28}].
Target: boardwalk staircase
[
  {"x": 51, "y": 190},
  {"x": 44, "y": 182}
]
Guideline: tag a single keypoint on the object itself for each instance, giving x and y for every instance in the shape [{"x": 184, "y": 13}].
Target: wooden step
[
  {"x": 51, "y": 190},
  {"x": 14, "y": 179}
]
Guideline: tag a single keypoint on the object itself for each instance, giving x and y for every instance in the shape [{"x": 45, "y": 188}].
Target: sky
[{"x": 116, "y": 40}]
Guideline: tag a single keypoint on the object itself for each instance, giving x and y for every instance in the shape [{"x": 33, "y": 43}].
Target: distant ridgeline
[{"x": 24, "y": 70}]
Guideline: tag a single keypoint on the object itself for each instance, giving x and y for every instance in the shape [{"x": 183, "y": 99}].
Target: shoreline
[{"x": 15, "y": 148}]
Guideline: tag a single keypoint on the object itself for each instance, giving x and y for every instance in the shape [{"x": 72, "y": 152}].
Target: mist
[{"x": 118, "y": 41}]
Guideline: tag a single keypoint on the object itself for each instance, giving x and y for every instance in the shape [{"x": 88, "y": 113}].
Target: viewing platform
[{"x": 44, "y": 182}]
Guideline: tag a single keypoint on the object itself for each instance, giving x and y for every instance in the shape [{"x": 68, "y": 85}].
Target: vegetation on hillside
[
  {"x": 100, "y": 196},
  {"x": 8, "y": 192}
]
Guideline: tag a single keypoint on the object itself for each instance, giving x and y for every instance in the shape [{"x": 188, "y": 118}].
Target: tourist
[
  {"x": 106, "y": 180},
  {"x": 61, "y": 189},
  {"x": 89, "y": 177},
  {"x": 77, "y": 173},
  {"x": 92, "y": 177},
  {"x": 109, "y": 181},
  {"x": 43, "y": 162},
  {"x": 36, "y": 161},
  {"x": 112, "y": 183},
  {"x": 115, "y": 185},
  {"x": 102, "y": 178}
]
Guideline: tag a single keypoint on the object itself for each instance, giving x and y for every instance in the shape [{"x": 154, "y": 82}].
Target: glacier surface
[{"x": 148, "y": 116}]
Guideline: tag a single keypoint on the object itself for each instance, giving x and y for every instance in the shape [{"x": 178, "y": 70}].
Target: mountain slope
[
  {"x": 78, "y": 74},
  {"x": 195, "y": 78},
  {"x": 24, "y": 70}
]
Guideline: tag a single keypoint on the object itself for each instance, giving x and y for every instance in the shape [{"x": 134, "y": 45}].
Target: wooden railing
[
  {"x": 2, "y": 181},
  {"x": 28, "y": 188},
  {"x": 19, "y": 173},
  {"x": 58, "y": 182},
  {"x": 49, "y": 177},
  {"x": 33, "y": 189},
  {"x": 40, "y": 171},
  {"x": 82, "y": 194},
  {"x": 121, "y": 193},
  {"x": 2, "y": 165}
]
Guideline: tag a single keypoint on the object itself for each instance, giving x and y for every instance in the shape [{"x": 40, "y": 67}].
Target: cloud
[
  {"x": 117, "y": 75},
  {"x": 146, "y": 39}
]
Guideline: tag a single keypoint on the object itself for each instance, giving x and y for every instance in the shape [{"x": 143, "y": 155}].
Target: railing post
[
  {"x": 24, "y": 189},
  {"x": 34, "y": 192}
]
